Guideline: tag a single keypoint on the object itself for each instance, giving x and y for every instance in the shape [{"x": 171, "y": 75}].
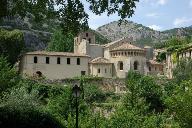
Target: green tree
[
  {"x": 61, "y": 42},
  {"x": 183, "y": 70},
  {"x": 8, "y": 75},
  {"x": 11, "y": 44},
  {"x": 180, "y": 104},
  {"x": 152, "y": 92}
]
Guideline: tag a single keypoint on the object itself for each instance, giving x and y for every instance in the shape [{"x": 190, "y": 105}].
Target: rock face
[
  {"x": 36, "y": 35},
  {"x": 141, "y": 35},
  {"x": 36, "y": 40}
]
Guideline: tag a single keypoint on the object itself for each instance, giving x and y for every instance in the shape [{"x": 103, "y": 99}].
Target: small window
[
  {"x": 89, "y": 40},
  {"x": 35, "y": 59},
  {"x": 135, "y": 65},
  {"x": 155, "y": 68},
  {"x": 68, "y": 61},
  {"x": 78, "y": 61},
  {"x": 149, "y": 68},
  {"x": 105, "y": 70},
  {"x": 58, "y": 60},
  {"x": 47, "y": 60},
  {"x": 121, "y": 66},
  {"x": 87, "y": 35},
  {"x": 98, "y": 70}
]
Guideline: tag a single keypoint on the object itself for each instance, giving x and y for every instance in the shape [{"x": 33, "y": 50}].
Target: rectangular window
[
  {"x": 87, "y": 35},
  {"x": 78, "y": 61},
  {"x": 68, "y": 61},
  {"x": 35, "y": 59},
  {"x": 47, "y": 60},
  {"x": 89, "y": 40},
  {"x": 149, "y": 68},
  {"x": 58, "y": 60},
  {"x": 105, "y": 70},
  {"x": 98, "y": 70}
]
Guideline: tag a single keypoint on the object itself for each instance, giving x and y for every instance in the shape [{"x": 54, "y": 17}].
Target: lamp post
[{"x": 76, "y": 93}]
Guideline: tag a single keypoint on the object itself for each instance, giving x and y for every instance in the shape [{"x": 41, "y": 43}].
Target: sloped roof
[
  {"x": 100, "y": 60},
  {"x": 46, "y": 53},
  {"x": 153, "y": 62},
  {"x": 111, "y": 43},
  {"x": 126, "y": 46}
]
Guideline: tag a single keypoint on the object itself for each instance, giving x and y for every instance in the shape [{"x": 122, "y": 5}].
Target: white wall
[
  {"x": 54, "y": 70},
  {"x": 127, "y": 65},
  {"x": 94, "y": 70}
]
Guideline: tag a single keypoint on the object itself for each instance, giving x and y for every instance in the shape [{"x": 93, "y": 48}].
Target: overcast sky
[{"x": 156, "y": 14}]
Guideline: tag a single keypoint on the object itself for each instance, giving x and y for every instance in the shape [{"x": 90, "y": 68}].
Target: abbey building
[{"x": 114, "y": 59}]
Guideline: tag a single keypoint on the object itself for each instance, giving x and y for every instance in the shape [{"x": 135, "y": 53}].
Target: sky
[{"x": 157, "y": 14}]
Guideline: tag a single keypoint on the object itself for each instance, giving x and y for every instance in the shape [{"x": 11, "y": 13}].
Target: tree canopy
[{"x": 71, "y": 13}]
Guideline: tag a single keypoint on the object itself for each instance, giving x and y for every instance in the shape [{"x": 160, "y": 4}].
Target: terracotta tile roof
[
  {"x": 46, "y": 53},
  {"x": 121, "y": 40},
  {"x": 100, "y": 60},
  {"x": 127, "y": 46}
]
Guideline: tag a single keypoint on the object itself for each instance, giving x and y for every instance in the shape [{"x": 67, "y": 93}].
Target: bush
[{"x": 8, "y": 75}]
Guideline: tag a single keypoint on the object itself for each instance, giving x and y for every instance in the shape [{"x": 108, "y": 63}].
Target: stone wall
[{"x": 107, "y": 84}]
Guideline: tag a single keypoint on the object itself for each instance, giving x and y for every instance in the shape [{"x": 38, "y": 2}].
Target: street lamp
[{"x": 76, "y": 93}]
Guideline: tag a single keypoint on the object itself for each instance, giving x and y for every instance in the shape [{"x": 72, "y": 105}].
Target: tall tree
[{"x": 61, "y": 42}]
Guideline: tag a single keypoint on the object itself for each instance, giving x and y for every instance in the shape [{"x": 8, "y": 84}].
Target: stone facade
[
  {"x": 114, "y": 59},
  {"x": 54, "y": 65},
  {"x": 171, "y": 59}
]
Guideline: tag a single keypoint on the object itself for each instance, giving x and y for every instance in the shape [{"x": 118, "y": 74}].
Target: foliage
[
  {"x": 93, "y": 94},
  {"x": 135, "y": 112},
  {"x": 11, "y": 44},
  {"x": 143, "y": 88},
  {"x": 151, "y": 92},
  {"x": 161, "y": 57},
  {"x": 61, "y": 42},
  {"x": 71, "y": 13},
  {"x": 19, "y": 108},
  {"x": 8, "y": 75},
  {"x": 180, "y": 104},
  {"x": 182, "y": 71}
]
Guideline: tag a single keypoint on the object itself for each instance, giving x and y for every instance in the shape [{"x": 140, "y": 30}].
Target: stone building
[
  {"x": 172, "y": 58},
  {"x": 114, "y": 59},
  {"x": 54, "y": 65}
]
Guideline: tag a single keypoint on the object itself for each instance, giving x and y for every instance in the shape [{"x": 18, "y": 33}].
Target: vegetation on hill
[{"x": 141, "y": 35}]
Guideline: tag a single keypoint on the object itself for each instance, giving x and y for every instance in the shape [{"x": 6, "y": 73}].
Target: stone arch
[
  {"x": 135, "y": 65},
  {"x": 39, "y": 73}
]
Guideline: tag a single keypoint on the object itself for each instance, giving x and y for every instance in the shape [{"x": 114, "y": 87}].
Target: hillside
[
  {"x": 37, "y": 35},
  {"x": 141, "y": 35}
]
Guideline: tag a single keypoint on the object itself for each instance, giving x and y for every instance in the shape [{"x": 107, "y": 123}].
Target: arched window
[
  {"x": 135, "y": 65},
  {"x": 39, "y": 74},
  {"x": 121, "y": 66}
]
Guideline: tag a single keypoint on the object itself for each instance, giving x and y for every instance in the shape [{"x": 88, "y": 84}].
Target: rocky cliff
[{"x": 141, "y": 35}]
